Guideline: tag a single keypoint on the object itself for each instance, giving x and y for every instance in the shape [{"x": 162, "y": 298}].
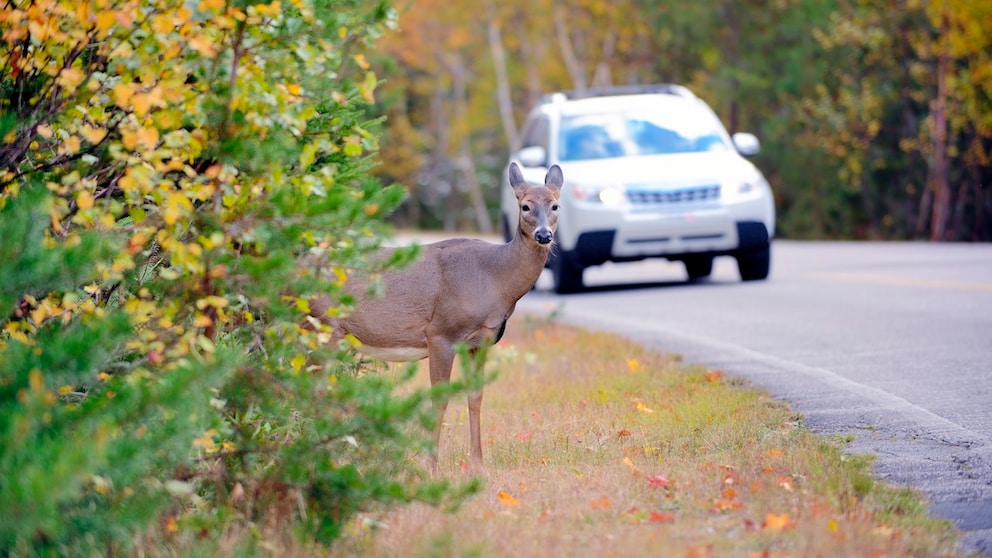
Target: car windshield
[{"x": 632, "y": 133}]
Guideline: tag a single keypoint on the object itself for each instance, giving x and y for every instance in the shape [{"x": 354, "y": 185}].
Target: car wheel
[
  {"x": 698, "y": 267},
  {"x": 754, "y": 264},
  {"x": 567, "y": 275},
  {"x": 505, "y": 225}
]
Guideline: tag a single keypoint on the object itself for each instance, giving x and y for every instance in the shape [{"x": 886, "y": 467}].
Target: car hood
[{"x": 659, "y": 171}]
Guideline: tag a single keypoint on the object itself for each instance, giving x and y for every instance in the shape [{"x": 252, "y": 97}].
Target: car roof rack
[{"x": 663, "y": 88}]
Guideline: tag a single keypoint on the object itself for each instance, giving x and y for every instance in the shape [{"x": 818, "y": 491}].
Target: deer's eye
[
  {"x": 524, "y": 207},
  {"x": 554, "y": 207}
]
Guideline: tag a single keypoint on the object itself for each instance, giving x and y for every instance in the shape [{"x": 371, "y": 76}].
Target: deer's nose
[{"x": 543, "y": 236}]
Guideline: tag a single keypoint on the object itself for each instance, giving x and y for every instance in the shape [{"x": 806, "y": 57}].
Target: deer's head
[{"x": 538, "y": 204}]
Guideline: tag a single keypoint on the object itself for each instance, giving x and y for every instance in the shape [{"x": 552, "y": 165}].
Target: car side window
[{"x": 536, "y": 134}]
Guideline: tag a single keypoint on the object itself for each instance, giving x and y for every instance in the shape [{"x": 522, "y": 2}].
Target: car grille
[{"x": 693, "y": 194}]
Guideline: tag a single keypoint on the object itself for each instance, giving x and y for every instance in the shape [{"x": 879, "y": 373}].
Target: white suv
[{"x": 649, "y": 172}]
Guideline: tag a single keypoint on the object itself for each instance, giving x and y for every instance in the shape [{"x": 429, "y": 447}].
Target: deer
[{"x": 460, "y": 290}]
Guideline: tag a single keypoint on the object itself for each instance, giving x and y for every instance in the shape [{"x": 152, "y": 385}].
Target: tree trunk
[
  {"x": 567, "y": 52},
  {"x": 939, "y": 170},
  {"x": 466, "y": 164},
  {"x": 503, "y": 98}
]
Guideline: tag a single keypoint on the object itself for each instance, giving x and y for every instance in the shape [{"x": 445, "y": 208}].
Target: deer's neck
[{"x": 522, "y": 260}]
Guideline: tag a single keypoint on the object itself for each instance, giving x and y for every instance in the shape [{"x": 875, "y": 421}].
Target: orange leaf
[
  {"x": 623, "y": 433},
  {"x": 661, "y": 517},
  {"x": 633, "y": 364},
  {"x": 714, "y": 376},
  {"x": 727, "y": 505},
  {"x": 786, "y": 483},
  {"x": 776, "y": 522},
  {"x": 601, "y": 503},
  {"x": 507, "y": 499}
]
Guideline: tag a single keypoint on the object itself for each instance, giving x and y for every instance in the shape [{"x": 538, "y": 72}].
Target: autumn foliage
[{"x": 175, "y": 182}]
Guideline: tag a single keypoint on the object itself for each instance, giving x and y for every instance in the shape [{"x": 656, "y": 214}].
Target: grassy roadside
[{"x": 598, "y": 447}]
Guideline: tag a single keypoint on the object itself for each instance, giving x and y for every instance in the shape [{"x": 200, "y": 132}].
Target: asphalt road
[{"x": 888, "y": 343}]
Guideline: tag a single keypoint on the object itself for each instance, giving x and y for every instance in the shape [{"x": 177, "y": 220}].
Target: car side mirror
[
  {"x": 746, "y": 144},
  {"x": 533, "y": 156}
]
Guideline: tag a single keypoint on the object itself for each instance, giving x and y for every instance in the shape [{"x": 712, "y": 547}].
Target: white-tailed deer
[{"x": 460, "y": 290}]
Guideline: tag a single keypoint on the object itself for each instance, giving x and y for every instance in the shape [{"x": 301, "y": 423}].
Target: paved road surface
[{"x": 888, "y": 343}]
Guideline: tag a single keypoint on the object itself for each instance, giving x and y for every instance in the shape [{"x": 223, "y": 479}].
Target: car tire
[
  {"x": 505, "y": 226},
  {"x": 698, "y": 267},
  {"x": 567, "y": 274},
  {"x": 754, "y": 265}
]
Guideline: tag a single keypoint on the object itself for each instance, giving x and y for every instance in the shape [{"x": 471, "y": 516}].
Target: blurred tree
[{"x": 844, "y": 95}]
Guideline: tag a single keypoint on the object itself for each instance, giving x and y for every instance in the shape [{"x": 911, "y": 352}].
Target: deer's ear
[
  {"x": 517, "y": 178},
  {"x": 554, "y": 179}
]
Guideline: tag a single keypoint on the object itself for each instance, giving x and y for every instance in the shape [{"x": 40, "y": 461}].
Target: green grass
[{"x": 597, "y": 447}]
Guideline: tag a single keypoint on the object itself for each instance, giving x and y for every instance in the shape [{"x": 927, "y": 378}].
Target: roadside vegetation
[{"x": 598, "y": 447}]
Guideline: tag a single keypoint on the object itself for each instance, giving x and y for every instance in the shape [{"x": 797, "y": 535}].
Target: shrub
[{"x": 176, "y": 183}]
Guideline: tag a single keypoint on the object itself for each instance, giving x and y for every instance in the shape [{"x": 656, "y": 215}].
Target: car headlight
[
  {"x": 606, "y": 195},
  {"x": 736, "y": 187}
]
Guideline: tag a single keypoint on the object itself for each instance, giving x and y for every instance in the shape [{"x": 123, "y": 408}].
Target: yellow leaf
[
  {"x": 303, "y": 305},
  {"x": 148, "y": 137},
  {"x": 70, "y": 78},
  {"x": 104, "y": 21},
  {"x": 298, "y": 362},
  {"x": 206, "y": 440},
  {"x": 142, "y": 103},
  {"x": 44, "y": 131},
  {"x": 210, "y": 5},
  {"x": 71, "y": 145},
  {"x": 294, "y": 89},
  {"x": 202, "y": 320},
  {"x": 507, "y": 499},
  {"x": 122, "y": 94},
  {"x": 93, "y": 135},
  {"x": 203, "y": 46},
  {"x": 129, "y": 138},
  {"x": 643, "y": 408},
  {"x": 84, "y": 200},
  {"x": 212, "y": 301},
  {"x": 633, "y": 364}
]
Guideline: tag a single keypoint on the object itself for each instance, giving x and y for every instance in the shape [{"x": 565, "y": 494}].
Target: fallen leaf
[
  {"x": 623, "y": 433},
  {"x": 633, "y": 364},
  {"x": 659, "y": 481},
  {"x": 601, "y": 503},
  {"x": 643, "y": 408},
  {"x": 786, "y": 483},
  {"x": 507, "y": 499},
  {"x": 727, "y": 505},
  {"x": 661, "y": 517},
  {"x": 776, "y": 522},
  {"x": 714, "y": 376}
]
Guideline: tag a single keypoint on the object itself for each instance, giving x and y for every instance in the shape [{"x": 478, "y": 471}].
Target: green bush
[{"x": 175, "y": 184}]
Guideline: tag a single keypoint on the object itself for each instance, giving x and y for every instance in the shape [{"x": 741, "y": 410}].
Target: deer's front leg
[
  {"x": 442, "y": 356},
  {"x": 474, "y": 419}
]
